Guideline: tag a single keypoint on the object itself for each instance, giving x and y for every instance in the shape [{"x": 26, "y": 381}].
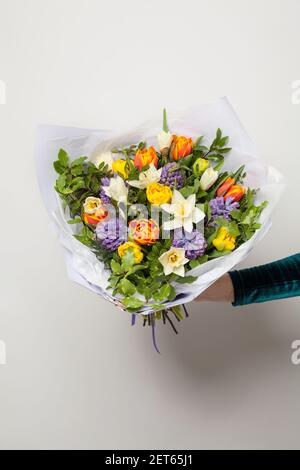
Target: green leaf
[
  {"x": 61, "y": 183},
  {"x": 237, "y": 175},
  {"x": 186, "y": 279},
  {"x": 128, "y": 260},
  {"x": 165, "y": 122},
  {"x": 197, "y": 262},
  {"x": 225, "y": 150},
  {"x": 144, "y": 290},
  {"x": 200, "y": 149},
  {"x": 224, "y": 141},
  {"x": 63, "y": 158},
  {"x": 59, "y": 168},
  {"x": 198, "y": 141},
  {"x": 113, "y": 280},
  {"x": 133, "y": 303},
  {"x": 77, "y": 183},
  {"x": 233, "y": 229},
  {"x": 236, "y": 214},
  {"x": 78, "y": 161},
  {"x": 187, "y": 161},
  {"x": 127, "y": 287},
  {"x": 75, "y": 221},
  {"x": 136, "y": 268},
  {"x": 172, "y": 295},
  {"x": 187, "y": 191},
  {"x": 116, "y": 267},
  {"x": 216, "y": 157},
  {"x": 163, "y": 293}
]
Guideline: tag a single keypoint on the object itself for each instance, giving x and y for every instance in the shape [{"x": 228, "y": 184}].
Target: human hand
[{"x": 221, "y": 291}]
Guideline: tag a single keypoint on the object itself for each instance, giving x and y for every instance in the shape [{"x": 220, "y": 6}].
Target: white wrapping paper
[{"x": 82, "y": 265}]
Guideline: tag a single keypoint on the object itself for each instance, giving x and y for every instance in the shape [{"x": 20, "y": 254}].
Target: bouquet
[{"x": 150, "y": 223}]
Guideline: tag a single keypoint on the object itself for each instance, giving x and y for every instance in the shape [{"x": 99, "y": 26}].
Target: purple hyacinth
[
  {"x": 102, "y": 194},
  {"x": 194, "y": 243},
  {"x": 111, "y": 233},
  {"x": 221, "y": 208},
  {"x": 172, "y": 176}
]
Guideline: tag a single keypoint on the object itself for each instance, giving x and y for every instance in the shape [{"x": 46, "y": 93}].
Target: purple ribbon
[{"x": 153, "y": 332}]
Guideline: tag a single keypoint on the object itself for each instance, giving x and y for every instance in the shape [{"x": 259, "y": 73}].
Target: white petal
[
  {"x": 105, "y": 157},
  {"x": 168, "y": 269},
  {"x": 179, "y": 271},
  {"x": 152, "y": 170},
  {"x": 198, "y": 215},
  {"x": 188, "y": 224},
  {"x": 163, "y": 259},
  {"x": 192, "y": 199},
  {"x": 136, "y": 184},
  {"x": 172, "y": 224},
  {"x": 168, "y": 208},
  {"x": 180, "y": 252},
  {"x": 177, "y": 197}
]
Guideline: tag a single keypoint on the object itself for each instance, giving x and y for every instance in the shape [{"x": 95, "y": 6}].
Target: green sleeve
[{"x": 277, "y": 280}]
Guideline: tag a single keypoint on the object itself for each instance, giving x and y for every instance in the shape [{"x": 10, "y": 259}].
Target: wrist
[{"x": 221, "y": 291}]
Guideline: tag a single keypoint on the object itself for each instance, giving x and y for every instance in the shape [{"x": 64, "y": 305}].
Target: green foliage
[{"x": 77, "y": 180}]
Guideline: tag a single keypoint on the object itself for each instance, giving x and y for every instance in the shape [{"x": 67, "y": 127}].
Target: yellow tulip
[
  {"x": 138, "y": 254},
  {"x": 223, "y": 240},
  {"x": 120, "y": 166},
  {"x": 158, "y": 194}
]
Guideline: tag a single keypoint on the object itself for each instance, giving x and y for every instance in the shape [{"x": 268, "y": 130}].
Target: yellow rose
[
  {"x": 223, "y": 240},
  {"x": 120, "y": 166},
  {"x": 138, "y": 254},
  {"x": 158, "y": 194}
]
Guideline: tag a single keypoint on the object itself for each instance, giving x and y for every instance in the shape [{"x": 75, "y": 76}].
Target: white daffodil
[
  {"x": 164, "y": 140},
  {"x": 185, "y": 212},
  {"x": 105, "y": 157},
  {"x": 173, "y": 261},
  {"x": 152, "y": 175},
  {"x": 117, "y": 190},
  {"x": 208, "y": 178}
]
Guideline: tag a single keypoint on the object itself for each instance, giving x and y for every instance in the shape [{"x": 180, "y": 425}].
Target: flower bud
[
  {"x": 208, "y": 178},
  {"x": 181, "y": 147},
  {"x": 225, "y": 186},
  {"x": 236, "y": 192},
  {"x": 164, "y": 140},
  {"x": 144, "y": 157},
  {"x": 200, "y": 165}
]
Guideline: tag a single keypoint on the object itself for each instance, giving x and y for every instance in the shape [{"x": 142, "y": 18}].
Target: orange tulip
[
  {"x": 143, "y": 231},
  {"x": 144, "y": 157},
  {"x": 236, "y": 192},
  {"x": 225, "y": 186},
  {"x": 94, "y": 219},
  {"x": 181, "y": 147}
]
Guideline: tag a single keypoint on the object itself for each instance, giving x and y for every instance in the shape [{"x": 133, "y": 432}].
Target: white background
[{"x": 77, "y": 375}]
